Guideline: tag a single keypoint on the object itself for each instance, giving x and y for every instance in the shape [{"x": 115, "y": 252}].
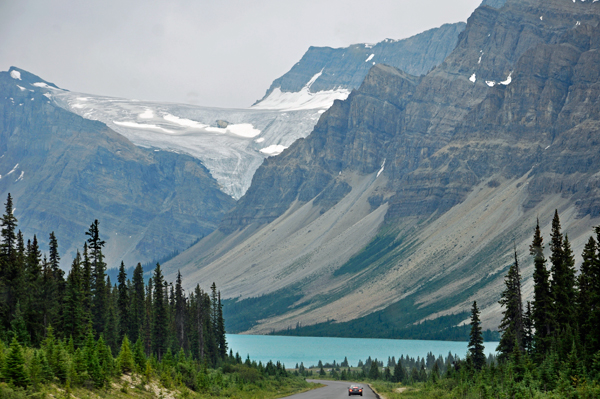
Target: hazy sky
[{"x": 222, "y": 53}]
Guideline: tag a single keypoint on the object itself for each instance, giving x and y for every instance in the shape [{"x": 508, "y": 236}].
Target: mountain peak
[{"x": 27, "y": 78}]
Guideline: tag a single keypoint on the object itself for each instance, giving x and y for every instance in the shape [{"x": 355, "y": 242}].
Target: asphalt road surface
[{"x": 334, "y": 390}]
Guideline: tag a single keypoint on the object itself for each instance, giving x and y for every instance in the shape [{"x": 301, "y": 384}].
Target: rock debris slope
[{"x": 407, "y": 198}]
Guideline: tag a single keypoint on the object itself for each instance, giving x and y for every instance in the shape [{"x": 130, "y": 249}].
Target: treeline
[
  {"x": 406, "y": 370},
  {"x": 80, "y": 320}
]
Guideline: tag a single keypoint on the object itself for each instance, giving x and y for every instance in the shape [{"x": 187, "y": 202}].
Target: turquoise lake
[{"x": 309, "y": 350}]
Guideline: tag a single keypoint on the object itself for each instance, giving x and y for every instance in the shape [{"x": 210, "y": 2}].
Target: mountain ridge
[
  {"x": 453, "y": 185},
  {"x": 72, "y": 171}
]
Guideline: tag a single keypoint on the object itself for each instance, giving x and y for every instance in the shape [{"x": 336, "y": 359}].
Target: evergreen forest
[{"x": 82, "y": 331}]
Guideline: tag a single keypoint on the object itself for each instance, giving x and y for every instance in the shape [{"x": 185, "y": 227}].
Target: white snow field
[{"x": 231, "y": 143}]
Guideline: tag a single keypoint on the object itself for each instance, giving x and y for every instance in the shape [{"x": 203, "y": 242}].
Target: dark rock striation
[{"x": 68, "y": 171}]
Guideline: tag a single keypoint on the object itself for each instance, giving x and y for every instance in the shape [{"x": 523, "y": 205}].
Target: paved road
[{"x": 333, "y": 390}]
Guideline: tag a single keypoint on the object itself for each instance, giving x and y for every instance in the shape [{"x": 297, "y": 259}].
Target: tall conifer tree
[
  {"x": 99, "y": 299},
  {"x": 180, "y": 311},
  {"x": 160, "y": 319},
  {"x": 9, "y": 230},
  {"x": 584, "y": 292},
  {"x": 512, "y": 320},
  {"x": 73, "y": 322},
  {"x": 86, "y": 284},
  {"x": 542, "y": 312},
  {"x": 138, "y": 309},
  {"x": 123, "y": 303},
  {"x": 476, "y": 347}
]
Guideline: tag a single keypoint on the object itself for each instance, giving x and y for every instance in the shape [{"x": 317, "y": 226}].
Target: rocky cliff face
[
  {"x": 347, "y": 67},
  {"x": 64, "y": 171},
  {"x": 414, "y": 189}
]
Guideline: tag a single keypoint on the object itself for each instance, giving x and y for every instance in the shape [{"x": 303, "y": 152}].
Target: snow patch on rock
[
  {"x": 273, "y": 150},
  {"x": 15, "y": 75}
]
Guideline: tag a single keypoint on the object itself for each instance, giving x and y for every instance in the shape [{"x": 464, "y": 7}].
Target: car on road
[{"x": 355, "y": 390}]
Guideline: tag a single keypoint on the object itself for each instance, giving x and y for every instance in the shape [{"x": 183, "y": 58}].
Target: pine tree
[
  {"x": 126, "y": 361},
  {"x": 99, "y": 299},
  {"x": 511, "y": 325},
  {"x": 160, "y": 322},
  {"x": 54, "y": 284},
  {"x": 73, "y": 315},
  {"x": 123, "y": 303},
  {"x": 563, "y": 277},
  {"x": 9, "y": 227},
  {"x": 593, "y": 338},
  {"x": 37, "y": 304},
  {"x": 86, "y": 285},
  {"x": 19, "y": 327},
  {"x": 584, "y": 295},
  {"x": 35, "y": 370},
  {"x": 111, "y": 331},
  {"x": 528, "y": 329},
  {"x": 137, "y": 303},
  {"x": 14, "y": 367},
  {"x": 180, "y": 307},
  {"x": 138, "y": 355},
  {"x": 220, "y": 333},
  {"x": 476, "y": 348},
  {"x": 542, "y": 313},
  {"x": 399, "y": 372}
]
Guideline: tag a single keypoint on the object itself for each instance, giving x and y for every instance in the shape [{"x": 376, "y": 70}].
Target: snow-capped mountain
[
  {"x": 232, "y": 143},
  {"x": 63, "y": 171}
]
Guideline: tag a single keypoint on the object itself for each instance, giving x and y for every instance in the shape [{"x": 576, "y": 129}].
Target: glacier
[{"x": 231, "y": 143}]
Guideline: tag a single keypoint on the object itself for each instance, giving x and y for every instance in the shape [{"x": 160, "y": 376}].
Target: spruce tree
[
  {"x": 38, "y": 301},
  {"x": 511, "y": 325},
  {"x": 528, "y": 329},
  {"x": 126, "y": 360},
  {"x": 73, "y": 321},
  {"x": 180, "y": 306},
  {"x": 99, "y": 299},
  {"x": 399, "y": 372},
  {"x": 14, "y": 366},
  {"x": 583, "y": 300},
  {"x": 220, "y": 333},
  {"x": 9, "y": 227},
  {"x": 111, "y": 331},
  {"x": 563, "y": 278},
  {"x": 123, "y": 303},
  {"x": 19, "y": 327},
  {"x": 476, "y": 348},
  {"x": 593, "y": 338},
  {"x": 137, "y": 303},
  {"x": 160, "y": 320},
  {"x": 542, "y": 312},
  {"x": 86, "y": 285}
]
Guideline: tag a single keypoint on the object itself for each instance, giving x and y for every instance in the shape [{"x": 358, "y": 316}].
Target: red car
[{"x": 355, "y": 390}]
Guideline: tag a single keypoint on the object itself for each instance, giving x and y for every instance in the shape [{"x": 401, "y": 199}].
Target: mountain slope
[
  {"x": 64, "y": 171},
  {"x": 414, "y": 190}
]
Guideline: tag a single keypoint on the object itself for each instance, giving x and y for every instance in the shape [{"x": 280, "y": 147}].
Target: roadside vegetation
[{"x": 70, "y": 337}]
